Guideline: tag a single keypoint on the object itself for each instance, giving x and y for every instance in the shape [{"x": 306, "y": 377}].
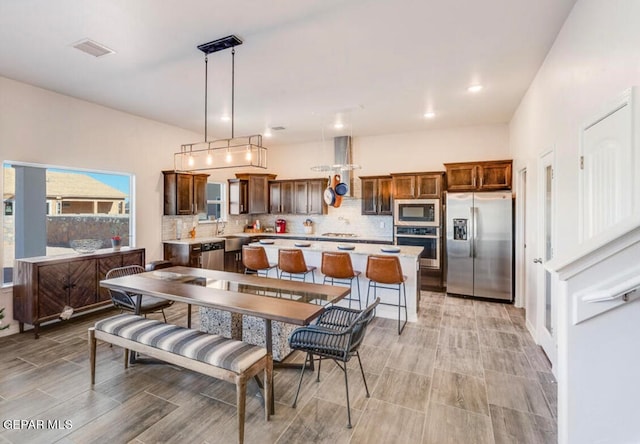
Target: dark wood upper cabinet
[
  {"x": 301, "y": 189},
  {"x": 304, "y": 196},
  {"x": 417, "y": 185},
  {"x": 476, "y": 176},
  {"x": 184, "y": 193},
  {"x": 376, "y": 195},
  {"x": 249, "y": 193},
  {"x": 315, "y": 200}
]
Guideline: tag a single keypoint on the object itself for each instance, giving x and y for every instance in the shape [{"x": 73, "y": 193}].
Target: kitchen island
[{"x": 408, "y": 256}]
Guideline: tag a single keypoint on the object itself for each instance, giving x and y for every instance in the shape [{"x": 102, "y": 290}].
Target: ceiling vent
[
  {"x": 93, "y": 48},
  {"x": 277, "y": 128}
]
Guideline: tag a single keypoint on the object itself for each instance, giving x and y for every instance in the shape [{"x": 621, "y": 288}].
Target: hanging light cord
[
  {"x": 233, "y": 78},
  {"x": 206, "y": 84}
]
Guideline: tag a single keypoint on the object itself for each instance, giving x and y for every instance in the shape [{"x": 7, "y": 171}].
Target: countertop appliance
[
  {"x": 480, "y": 244},
  {"x": 417, "y": 212},
  {"x": 281, "y": 226},
  {"x": 213, "y": 255}
]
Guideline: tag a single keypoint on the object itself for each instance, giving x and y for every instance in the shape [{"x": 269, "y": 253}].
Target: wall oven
[
  {"x": 426, "y": 237},
  {"x": 417, "y": 212}
]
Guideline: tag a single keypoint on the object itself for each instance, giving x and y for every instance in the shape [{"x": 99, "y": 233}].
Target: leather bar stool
[
  {"x": 291, "y": 262},
  {"x": 337, "y": 268},
  {"x": 255, "y": 261},
  {"x": 386, "y": 272}
]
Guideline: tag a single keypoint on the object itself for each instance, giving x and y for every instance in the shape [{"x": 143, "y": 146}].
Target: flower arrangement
[{"x": 116, "y": 237}]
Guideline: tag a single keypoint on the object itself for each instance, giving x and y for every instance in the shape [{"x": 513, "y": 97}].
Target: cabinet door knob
[{"x": 537, "y": 260}]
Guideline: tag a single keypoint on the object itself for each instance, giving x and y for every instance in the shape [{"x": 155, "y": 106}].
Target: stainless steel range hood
[
  {"x": 342, "y": 163},
  {"x": 342, "y": 160}
]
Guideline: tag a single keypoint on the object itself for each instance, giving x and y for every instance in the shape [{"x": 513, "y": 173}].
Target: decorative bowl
[{"x": 85, "y": 245}]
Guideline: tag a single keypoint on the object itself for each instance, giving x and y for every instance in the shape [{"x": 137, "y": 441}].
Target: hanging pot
[
  {"x": 335, "y": 182},
  {"x": 329, "y": 194},
  {"x": 340, "y": 188}
]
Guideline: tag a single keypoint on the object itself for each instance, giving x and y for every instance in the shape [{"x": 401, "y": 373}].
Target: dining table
[{"x": 284, "y": 300}]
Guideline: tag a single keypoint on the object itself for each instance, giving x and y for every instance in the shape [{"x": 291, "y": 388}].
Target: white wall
[
  {"x": 394, "y": 153},
  {"x": 44, "y": 127},
  {"x": 594, "y": 58}
]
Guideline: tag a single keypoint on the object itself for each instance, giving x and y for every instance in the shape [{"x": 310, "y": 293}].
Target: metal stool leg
[{"x": 359, "y": 298}]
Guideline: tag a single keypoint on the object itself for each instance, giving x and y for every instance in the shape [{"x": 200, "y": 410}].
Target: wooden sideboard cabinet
[
  {"x": 479, "y": 176},
  {"x": 44, "y": 285}
]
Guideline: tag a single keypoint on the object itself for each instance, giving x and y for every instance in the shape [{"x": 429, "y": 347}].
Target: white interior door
[{"x": 547, "y": 304}]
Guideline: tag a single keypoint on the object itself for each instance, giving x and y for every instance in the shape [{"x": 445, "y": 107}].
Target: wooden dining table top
[{"x": 288, "y": 301}]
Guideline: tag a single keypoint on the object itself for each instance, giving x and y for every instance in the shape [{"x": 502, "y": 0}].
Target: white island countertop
[{"x": 354, "y": 248}]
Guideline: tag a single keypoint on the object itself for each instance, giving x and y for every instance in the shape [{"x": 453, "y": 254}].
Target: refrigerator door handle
[
  {"x": 474, "y": 217},
  {"x": 471, "y": 232}
]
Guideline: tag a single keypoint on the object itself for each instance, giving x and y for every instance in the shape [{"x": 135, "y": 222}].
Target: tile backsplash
[{"x": 345, "y": 219}]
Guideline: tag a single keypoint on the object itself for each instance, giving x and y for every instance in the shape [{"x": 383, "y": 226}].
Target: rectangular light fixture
[{"x": 220, "y": 154}]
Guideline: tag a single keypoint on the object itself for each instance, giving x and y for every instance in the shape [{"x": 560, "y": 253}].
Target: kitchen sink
[
  {"x": 234, "y": 243},
  {"x": 339, "y": 234}
]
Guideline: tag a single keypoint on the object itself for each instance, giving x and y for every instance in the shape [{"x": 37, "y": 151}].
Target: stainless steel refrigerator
[{"x": 480, "y": 244}]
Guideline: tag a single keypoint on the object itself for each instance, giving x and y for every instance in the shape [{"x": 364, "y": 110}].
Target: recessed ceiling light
[
  {"x": 475, "y": 88},
  {"x": 429, "y": 115},
  {"x": 225, "y": 118},
  {"x": 267, "y": 133},
  {"x": 338, "y": 125}
]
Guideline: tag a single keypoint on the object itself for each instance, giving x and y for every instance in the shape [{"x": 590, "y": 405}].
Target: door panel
[
  {"x": 53, "y": 282},
  {"x": 82, "y": 277},
  {"x": 492, "y": 228},
  {"x": 459, "y": 244},
  {"x": 546, "y": 299}
]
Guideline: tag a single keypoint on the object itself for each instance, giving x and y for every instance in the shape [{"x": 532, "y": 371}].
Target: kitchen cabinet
[
  {"x": 474, "y": 176},
  {"x": 426, "y": 185},
  {"x": 376, "y": 195},
  {"x": 187, "y": 255},
  {"x": 304, "y": 196},
  {"x": 44, "y": 286},
  {"x": 249, "y": 193},
  {"x": 233, "y": 261},
  {"x": 184, "y": 193},
  {"x": 281, "y": 197}
]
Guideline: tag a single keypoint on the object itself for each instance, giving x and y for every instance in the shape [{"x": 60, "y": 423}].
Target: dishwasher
[{"x": 213, "y": 255}]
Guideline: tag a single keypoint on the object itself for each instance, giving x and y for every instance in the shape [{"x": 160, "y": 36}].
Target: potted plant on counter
[{"x": 116, "y": 242}]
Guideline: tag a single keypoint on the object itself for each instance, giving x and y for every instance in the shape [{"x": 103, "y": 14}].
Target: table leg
[{"x": 269, "y": 345}]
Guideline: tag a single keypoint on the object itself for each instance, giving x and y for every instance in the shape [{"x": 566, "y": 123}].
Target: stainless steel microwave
[{"x": 417, "y": 212}]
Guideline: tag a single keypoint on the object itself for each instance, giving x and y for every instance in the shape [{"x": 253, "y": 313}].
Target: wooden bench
[{"x": 213, "y": 355}]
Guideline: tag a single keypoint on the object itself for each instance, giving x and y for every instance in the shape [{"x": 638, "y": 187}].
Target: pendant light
[{"x": 234, "y": 152}]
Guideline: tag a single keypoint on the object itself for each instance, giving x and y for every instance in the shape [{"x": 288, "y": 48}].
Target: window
[
  {"x": 216, "y": 192},
  {"x": 50, "y": 207}
]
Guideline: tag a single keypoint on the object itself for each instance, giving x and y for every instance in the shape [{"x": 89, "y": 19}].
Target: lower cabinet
[
  {"x": 233, "y": 261},
  {"x": 44, "y": 286}
]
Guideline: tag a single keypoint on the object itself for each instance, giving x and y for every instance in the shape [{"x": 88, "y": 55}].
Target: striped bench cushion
[{"x": 216, "y": 350}]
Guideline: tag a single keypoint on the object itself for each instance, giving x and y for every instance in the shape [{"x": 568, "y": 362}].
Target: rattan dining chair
[
  {"x": 330, "y": 338},
  {"x": 127, "y": 301}
]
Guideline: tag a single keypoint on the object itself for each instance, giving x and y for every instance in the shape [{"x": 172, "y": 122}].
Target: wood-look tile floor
[{"x": 466, "y": 372}]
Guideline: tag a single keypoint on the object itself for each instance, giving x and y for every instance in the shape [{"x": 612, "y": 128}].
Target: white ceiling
[{"x": 381, "y": 63}]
